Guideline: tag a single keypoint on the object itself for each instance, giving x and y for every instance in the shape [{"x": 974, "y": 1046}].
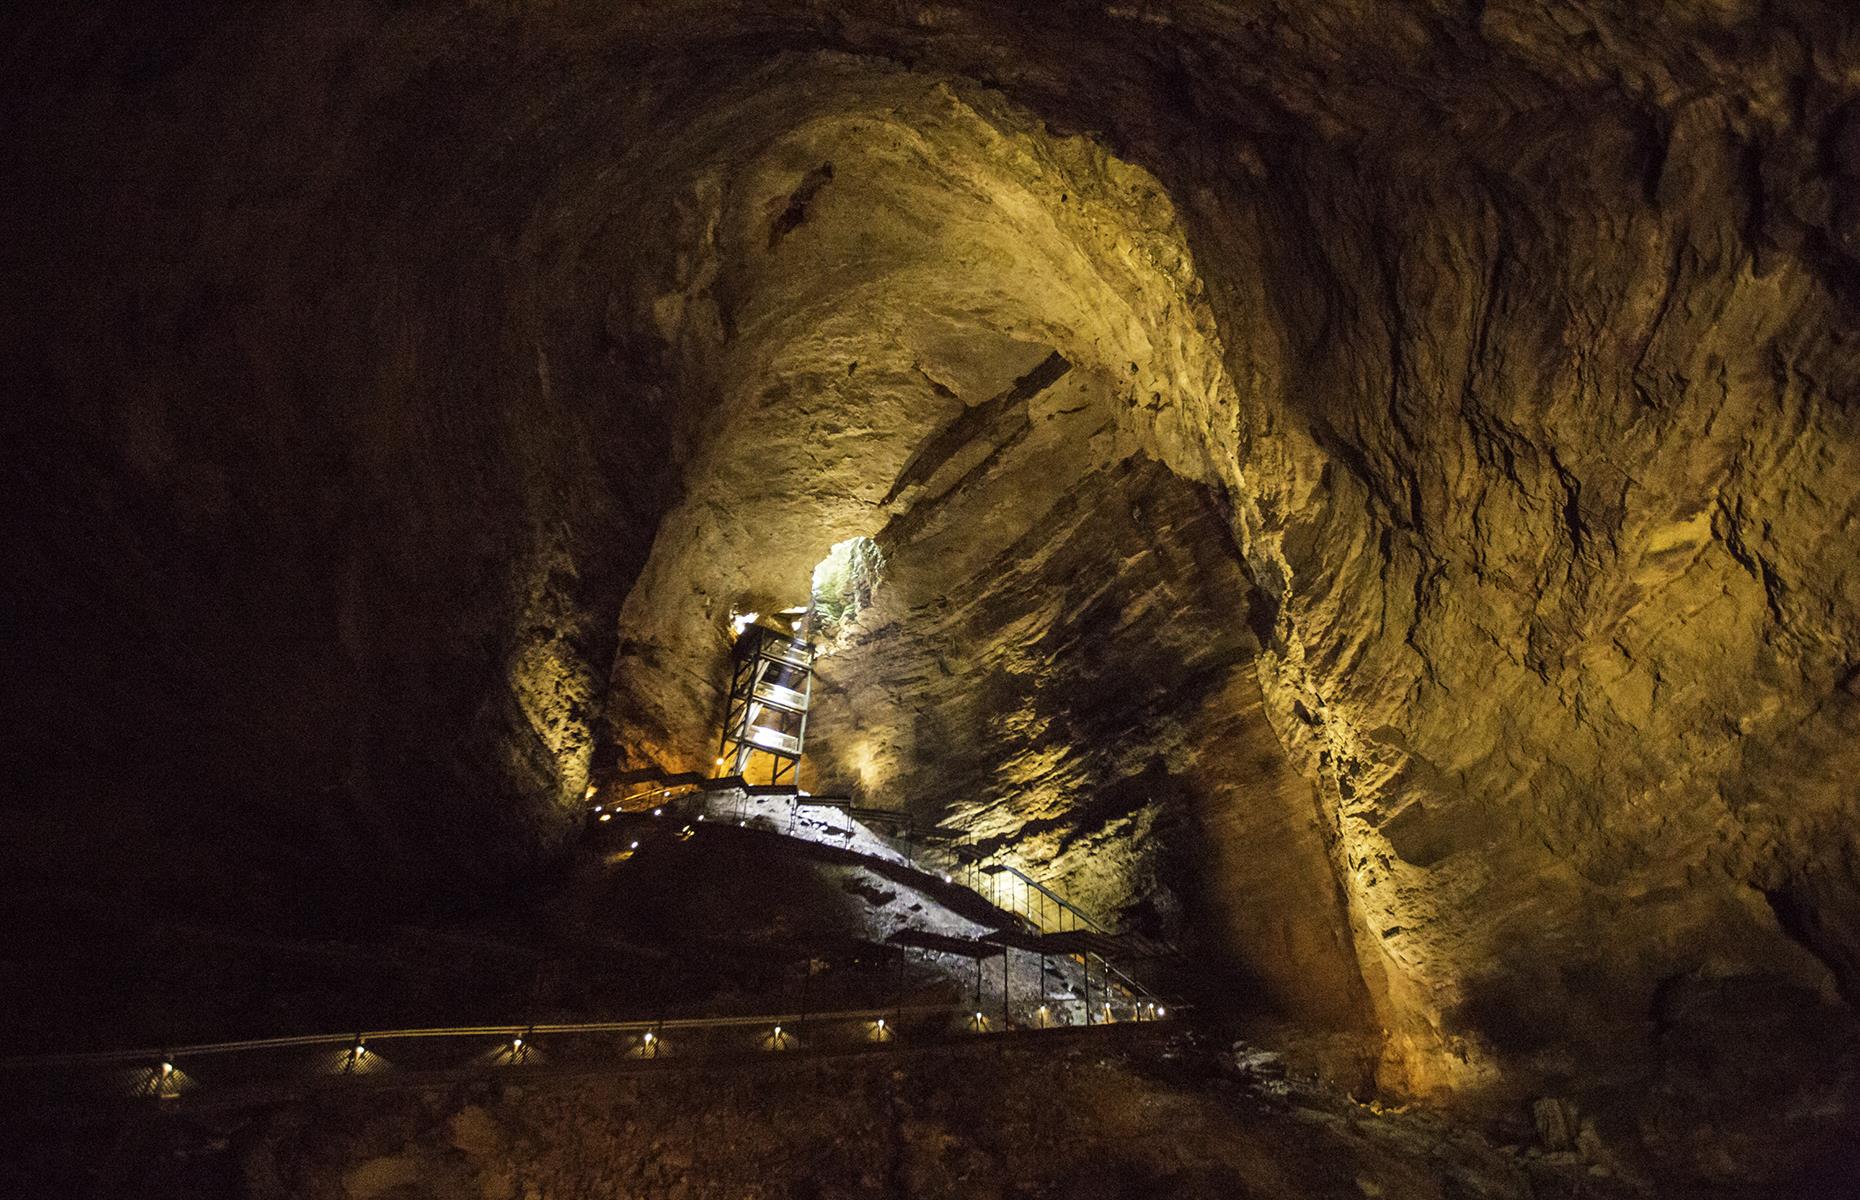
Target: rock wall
[
  {"x": 1531, "y": 638},
  {"x": 1086, "y": 707},
  {"x": 322, "y": 503},
  {"x": 880, "y": 279}
]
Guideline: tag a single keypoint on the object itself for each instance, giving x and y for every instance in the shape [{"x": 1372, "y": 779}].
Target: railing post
[
  {"x": 807, "y": 971},
  {"x": 978, "y": 994}
]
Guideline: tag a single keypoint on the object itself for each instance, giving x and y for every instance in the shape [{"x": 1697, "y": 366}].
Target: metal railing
[
  {"x": 169, "y": 1073},
  {"x": 250, "y": 1069},
  {"x": 1018, "y": 894},
  {"x": 933, "y": 852},
  {"x": 1031, "y": 900},
  {"x": 780, "y": 696}
]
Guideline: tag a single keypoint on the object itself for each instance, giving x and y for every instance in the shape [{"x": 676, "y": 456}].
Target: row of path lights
[{"x": 165, "y": 1080}]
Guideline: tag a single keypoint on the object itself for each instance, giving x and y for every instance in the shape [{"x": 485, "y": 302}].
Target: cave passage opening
[
  {"x": 844, "y": 584},
  {"x": 972, "y": 358},
  {"x": 921, "y": 318}
]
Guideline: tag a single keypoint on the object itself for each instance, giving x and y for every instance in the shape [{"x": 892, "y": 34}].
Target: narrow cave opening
[{"x": 844, "y": 584}]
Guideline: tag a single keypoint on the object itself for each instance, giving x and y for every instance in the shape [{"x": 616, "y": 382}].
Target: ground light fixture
[{"x": 607, "y": 816}]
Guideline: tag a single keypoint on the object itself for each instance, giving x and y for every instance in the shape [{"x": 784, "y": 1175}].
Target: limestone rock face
[
  {"x": 1086, "y": 707},
  {"x": 1442, "y": 419},
  {"x": 887, "y": 289}
]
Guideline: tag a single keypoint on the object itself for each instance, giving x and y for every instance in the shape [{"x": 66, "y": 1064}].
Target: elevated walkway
[
  {"x": 233, "y": 1073},
  {"x": 939, "y": 862}
]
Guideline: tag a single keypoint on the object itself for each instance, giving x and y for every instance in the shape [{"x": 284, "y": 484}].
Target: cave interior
[{"x": 1366, "y": 496}]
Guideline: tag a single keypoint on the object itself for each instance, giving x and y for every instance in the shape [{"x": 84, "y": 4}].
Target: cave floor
[
  {"x": 714, "y": 918},
  {"x": 1156, "y": 1114}
]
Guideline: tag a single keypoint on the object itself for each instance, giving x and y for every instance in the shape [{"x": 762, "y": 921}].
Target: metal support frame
[{"x": 759, "y": 652}]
